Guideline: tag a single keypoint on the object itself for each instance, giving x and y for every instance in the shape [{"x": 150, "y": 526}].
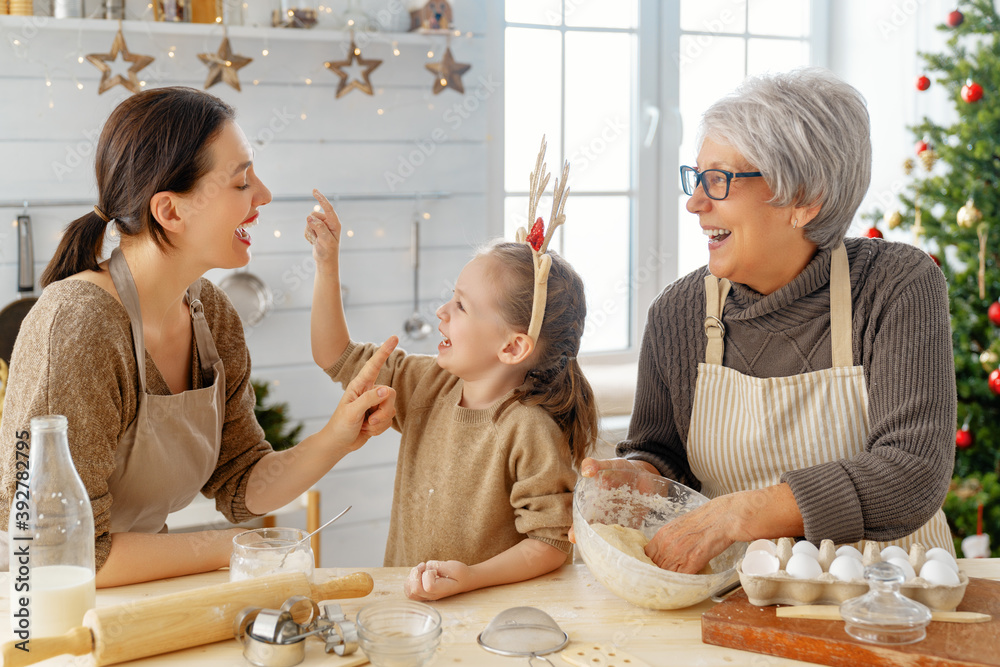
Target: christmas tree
[{"x": 950, "y": 205}]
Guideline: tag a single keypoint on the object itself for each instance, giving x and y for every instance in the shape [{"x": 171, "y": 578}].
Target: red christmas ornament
[
  {"x": 921, "y": 146},
  {"x": 963, "y": 438},
  {"x": 955, "y": 18},
  {"x": 994, "y": 381},
  {"x": 972, "y": 92},
  {"x": 993, "y": 312},
  {"x": 873, "y": 233},
  {"x": 935, "y": 258},
  {"x": 923, "y": 83}
]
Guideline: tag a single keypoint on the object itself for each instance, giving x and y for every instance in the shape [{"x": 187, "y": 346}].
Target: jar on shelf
[
  {"x": 21, "y": 7},
  {"x": 204, "y": 11},
  {"x": 233, "y": 12},
  {"x": 112, "y": 9},
  {"x": 67, "y": 9},
  {"x": 294, "y": 14},
  {"x": 174, "y": 11}
]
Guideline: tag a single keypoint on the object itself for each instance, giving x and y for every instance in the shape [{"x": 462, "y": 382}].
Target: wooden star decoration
[
  {"x": 448, "y": 73},
  {"x": 224, "y": 65},
  {"x": 345, "y": 86},
  {"x": 101, "y": 60}
]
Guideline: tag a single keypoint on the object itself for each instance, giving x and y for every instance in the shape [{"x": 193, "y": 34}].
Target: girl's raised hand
[
  {"x": 323, "y": 232},
  {"x": 366, "y": 409}
]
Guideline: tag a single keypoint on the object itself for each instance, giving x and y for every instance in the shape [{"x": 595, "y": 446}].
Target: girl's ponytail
[
  {"x": 556, "y": 382},
  {"x": 80, "y": 249}
]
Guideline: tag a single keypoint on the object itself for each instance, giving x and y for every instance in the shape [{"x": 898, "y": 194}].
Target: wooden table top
[{"x": 589, "y": 613}]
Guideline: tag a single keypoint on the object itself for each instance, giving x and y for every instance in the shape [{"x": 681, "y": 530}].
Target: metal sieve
[{"x": 523, "y": 631}]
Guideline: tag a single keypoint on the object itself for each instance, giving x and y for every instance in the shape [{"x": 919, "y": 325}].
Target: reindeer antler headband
[{"x": 539, "y": 239}]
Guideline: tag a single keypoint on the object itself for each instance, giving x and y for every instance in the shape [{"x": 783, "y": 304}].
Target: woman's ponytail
[{"x": 80, "y": 249}]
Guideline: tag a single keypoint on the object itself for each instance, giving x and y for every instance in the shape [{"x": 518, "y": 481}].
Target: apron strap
[
  {"x": 121, "y": 276},
  {"x": 208, "y": 356},
  {"x": 716, "y": 292},
  {"x": 840, "y": 308}
]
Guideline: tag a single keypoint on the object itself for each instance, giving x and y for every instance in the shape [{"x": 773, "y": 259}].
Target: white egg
[
  {"x": 803, "y": 566},
  {"x": 894, "y": 552},
  {"x": 760, "y": 563},
  {"x": 848, "y": 550},
  {"x": 904, "y": 565},
  {"x": 939, "y": 554},
  {"x": 847, "y": 568},
  {"x": 762, "y": 545},
  {"x": 804, "y": 547},
  {"x": 938, "y": 573}
]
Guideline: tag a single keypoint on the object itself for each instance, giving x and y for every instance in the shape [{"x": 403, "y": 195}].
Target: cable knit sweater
[
  {"x": 74, "y": 356},
  {"x": 470, "y": 484},
  {"x": 901, "y": 337}
]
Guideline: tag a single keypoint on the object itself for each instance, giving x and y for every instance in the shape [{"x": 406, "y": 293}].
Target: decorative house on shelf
[{"x": 434, "y": 15}]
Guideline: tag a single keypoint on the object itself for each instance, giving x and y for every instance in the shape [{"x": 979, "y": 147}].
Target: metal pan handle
[{"x": 25, "y": 255}]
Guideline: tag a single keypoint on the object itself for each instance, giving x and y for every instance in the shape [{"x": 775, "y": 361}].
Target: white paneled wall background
[{"x": 379, "y": 153}]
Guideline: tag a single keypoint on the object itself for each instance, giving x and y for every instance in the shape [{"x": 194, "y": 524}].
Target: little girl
[{"x": 492, "y": 427}]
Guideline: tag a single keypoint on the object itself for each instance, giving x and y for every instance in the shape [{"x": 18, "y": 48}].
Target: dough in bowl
[{"x": 629, "y": 541}]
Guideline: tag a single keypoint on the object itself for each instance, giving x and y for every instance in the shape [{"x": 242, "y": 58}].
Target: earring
[{"x": 795, "y": 223}]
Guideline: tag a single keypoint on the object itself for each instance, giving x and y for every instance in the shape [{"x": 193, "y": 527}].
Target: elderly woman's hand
[{"x": 689, "y": 542}]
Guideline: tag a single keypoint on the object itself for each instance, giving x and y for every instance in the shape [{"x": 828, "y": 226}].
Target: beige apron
[
  {"x": 171, "y": 448},
  {"x": 746, "y": 431}
]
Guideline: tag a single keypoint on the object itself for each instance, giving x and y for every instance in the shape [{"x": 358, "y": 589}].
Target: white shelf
[{"x": 130, "y": 27}]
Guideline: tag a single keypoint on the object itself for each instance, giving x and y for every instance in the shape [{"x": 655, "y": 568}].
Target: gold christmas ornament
[
  {"x": 928, "y": 158},
  {"x": 448, "y": 73},
  {"x": 989, "y": 360},
  {"x": 101, "y": 60},
  {"x": 892, "y": 219},
  {"x": 224, "y": 65},
  {"x": 345, "y": 86},
  {"x": 969, "y": 216},
  {"x": 908, "y": 166}
]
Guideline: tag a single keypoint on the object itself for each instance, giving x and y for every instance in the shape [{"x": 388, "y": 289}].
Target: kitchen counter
[{"x": 588, "y": 612}]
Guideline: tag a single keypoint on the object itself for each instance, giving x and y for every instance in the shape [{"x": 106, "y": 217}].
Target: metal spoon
[
  {"x": 416, "y": 327},
  {"x": 291, "y": 547}
]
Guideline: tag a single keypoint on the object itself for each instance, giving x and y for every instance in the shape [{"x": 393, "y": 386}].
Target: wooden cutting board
[{"x": 738, "y": 624}]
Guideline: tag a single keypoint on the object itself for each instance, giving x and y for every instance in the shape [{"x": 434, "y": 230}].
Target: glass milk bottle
[{"x": 51, "y": 536}]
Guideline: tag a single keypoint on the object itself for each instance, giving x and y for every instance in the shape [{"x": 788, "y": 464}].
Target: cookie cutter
[{"x": 273, "y": 638}]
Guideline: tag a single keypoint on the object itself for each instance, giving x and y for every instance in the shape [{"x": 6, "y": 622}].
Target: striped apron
[{"x": 746, "y": 431}]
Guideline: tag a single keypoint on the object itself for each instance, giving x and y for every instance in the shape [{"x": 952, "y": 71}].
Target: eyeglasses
[{"x": 715, "y": 182}]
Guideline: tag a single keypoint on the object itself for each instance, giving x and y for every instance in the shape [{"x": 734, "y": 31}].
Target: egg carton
[{"x": 782, "y": 588}]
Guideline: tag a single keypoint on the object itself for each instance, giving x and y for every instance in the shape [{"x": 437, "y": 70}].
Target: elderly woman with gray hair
[{"x": 803, "y": 381}]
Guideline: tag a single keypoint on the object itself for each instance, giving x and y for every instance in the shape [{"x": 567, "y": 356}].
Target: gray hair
[{"x": 808, "y": 132}]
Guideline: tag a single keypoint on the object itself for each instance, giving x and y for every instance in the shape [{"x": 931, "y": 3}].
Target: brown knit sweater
[
  {"x": 902, "y": 338},
  {"x": 74, "y": 356},
  {"x": 470, "y": 484}
]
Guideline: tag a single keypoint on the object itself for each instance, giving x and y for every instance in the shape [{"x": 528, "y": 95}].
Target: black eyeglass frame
[{"x": 699, "y": 175}]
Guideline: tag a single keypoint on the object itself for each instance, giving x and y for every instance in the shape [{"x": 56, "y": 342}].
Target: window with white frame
[
  {"x": 572, "y": 72},
  {"x": 569, "y": 73}
]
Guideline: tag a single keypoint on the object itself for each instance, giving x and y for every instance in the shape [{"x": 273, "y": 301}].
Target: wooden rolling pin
[
  {"x": 151, "y": 626},
  {"x": 828, "y": 612}
]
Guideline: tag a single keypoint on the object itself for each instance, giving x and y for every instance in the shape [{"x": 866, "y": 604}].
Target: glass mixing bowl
[
  {"x": 260, "y": 551},
  {"x": 645, "y": 502}
]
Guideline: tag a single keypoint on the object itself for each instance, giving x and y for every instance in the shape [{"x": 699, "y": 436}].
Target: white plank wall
[{"x": 304, "y": 138}]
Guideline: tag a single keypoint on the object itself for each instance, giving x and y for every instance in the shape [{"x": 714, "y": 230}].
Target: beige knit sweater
[
  {"x": 74, "y": 356},
  {"x": 470, "y": 484}
]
